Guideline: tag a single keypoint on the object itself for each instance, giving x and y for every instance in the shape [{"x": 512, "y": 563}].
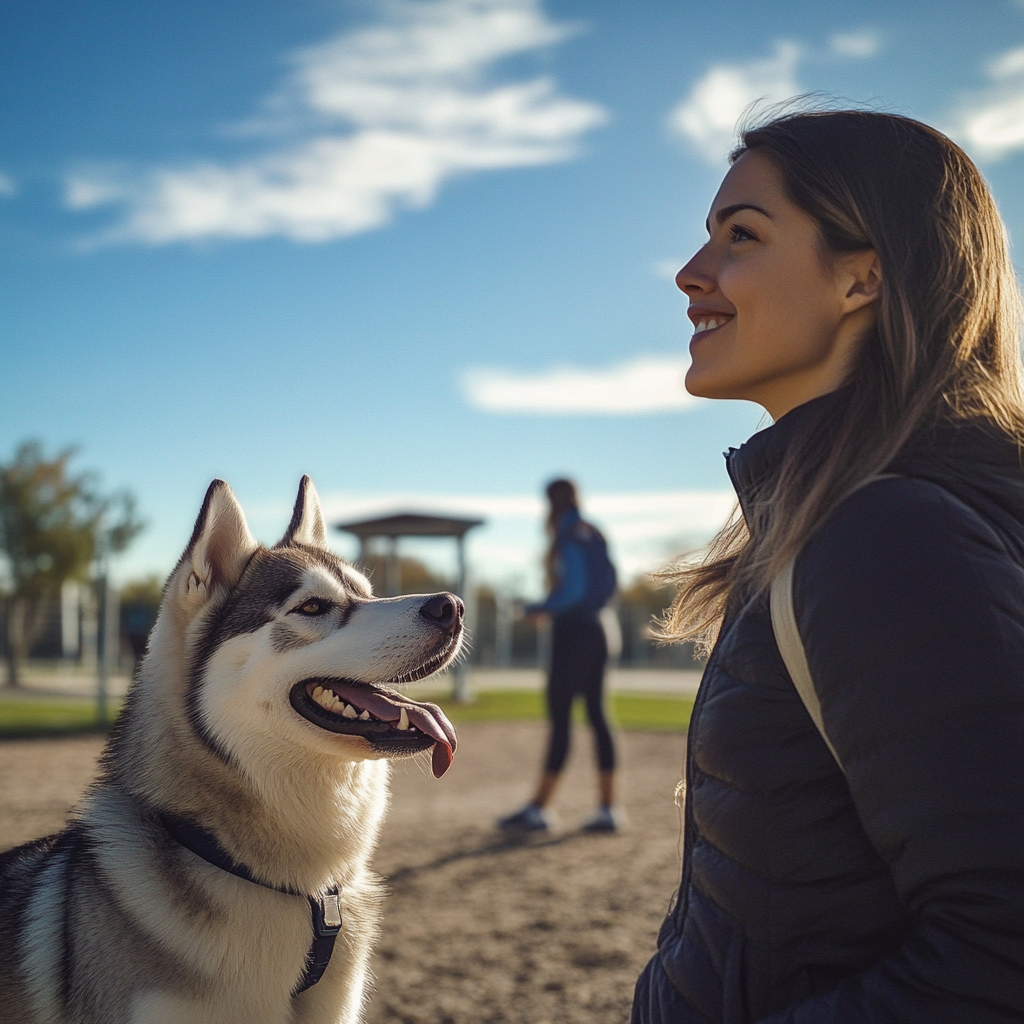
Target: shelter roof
[{"x": 411, "y": 524}]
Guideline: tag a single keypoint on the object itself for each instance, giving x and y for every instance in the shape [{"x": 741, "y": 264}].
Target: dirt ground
[{"x": 476, "y": 929}]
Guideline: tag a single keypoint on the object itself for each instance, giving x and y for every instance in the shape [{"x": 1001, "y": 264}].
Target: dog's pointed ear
[
  {"x": 307, "y": 525},
  {"x": 221, "y": 545}
]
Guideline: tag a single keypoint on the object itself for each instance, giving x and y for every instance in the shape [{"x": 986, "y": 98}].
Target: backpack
[{"x": 601, "y": 577}]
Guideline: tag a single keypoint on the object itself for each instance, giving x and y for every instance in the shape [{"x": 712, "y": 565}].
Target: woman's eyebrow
[{"x": 727, "y": 211}]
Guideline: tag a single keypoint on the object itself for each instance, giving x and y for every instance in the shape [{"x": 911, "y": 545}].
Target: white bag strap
[
  {"x": 787, "y": 637},
  {"x": 791, "y": 647}
]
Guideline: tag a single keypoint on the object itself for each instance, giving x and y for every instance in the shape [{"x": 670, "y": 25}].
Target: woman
[
  {"x": 857, "y": 285},
  {"x": 581, "y": 580}
]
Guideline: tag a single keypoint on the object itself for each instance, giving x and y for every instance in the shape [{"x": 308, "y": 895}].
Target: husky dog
[{"x": 218, "y": 871}]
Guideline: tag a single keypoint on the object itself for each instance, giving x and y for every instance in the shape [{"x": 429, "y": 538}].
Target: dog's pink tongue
[{"x": 428, "y": 718}]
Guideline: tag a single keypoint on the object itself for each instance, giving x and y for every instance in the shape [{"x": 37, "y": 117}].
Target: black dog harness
[{"x": 325, "y": 910}]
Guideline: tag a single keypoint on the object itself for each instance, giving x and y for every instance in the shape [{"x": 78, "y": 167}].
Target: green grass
[
  {"x": 628, "y": 710},
  {"x": 31, "y": 715},
  {"x": 40, "y": 716}
]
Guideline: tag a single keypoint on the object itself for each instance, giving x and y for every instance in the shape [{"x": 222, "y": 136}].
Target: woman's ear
[{"x": 861, "y": 278}]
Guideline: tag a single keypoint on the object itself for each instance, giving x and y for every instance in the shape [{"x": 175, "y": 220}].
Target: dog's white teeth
[
  {"x": 317, "y": 692},
  {"x": 403, "y": 721},
  {"x": 365, "y": 716},
  {"x": 350, "y": 712}
]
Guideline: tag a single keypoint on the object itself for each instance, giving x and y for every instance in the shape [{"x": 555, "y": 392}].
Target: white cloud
[
  {"x": 707, "y": 117},
  {"x": 990, "y": 123},
  {"x": 644, "y": 528},
  {"x": 858, "y": 45},
  {"x": 647, "y": 384},
  {"x": 8, "y": 187},
  {"x": 368, "y": 123}
]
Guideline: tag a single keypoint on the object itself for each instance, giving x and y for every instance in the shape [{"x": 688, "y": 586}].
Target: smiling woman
[
  {"x": 776, "y": 321},
  {"x": 855, "y": 764}
]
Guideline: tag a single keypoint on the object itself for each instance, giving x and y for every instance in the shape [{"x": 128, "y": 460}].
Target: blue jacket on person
[
  {"x": 569, "y": 596},
  {"x": 891, "y": 890}
]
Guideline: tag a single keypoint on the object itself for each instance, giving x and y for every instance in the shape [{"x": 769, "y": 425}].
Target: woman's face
[{"x": 776, "y": 321}]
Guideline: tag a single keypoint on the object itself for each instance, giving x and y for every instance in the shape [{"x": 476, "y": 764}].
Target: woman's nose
[{"x": 696, "y": 279}]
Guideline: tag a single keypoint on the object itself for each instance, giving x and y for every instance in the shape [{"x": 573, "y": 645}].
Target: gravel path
[{"x": 477, "y": 928}]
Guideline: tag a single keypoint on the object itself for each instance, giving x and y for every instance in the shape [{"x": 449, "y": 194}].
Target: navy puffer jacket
[{"x": 894, "y": 893}]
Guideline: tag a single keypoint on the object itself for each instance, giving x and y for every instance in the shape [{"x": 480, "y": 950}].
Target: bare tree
[{"x": 52, "y": 525}]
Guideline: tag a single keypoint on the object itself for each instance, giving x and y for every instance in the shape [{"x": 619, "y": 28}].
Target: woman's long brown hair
[
  {"x": 944, "y": 345},
  {"x": 562, "y": 497}
]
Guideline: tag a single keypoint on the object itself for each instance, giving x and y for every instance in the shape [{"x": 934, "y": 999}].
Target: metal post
[
  {"x": 392, "y": 569},
  {"x": 544, "y": 644},
  {"x": 503, "y": 622},
  {"x": 102, "y": 680},
  {"x": 463, "y": 693},
  {"x": 87, "y": 654},
  {"x": 70, "y": 620}
]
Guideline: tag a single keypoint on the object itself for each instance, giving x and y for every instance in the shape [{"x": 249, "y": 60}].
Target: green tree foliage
[{"x": 52, "y": 526}]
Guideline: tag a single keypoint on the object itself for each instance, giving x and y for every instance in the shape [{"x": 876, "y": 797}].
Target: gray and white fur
[{"x": 264, "y": 713}]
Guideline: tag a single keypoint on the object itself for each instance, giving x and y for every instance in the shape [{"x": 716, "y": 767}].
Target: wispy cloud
[
  {"x": 368, "y": 123},
  {"x": 707, "y": 116},
  {"x": 645, "y": 528},
  {"x": 647, "y": 384},
  {"x": 8, "y": 187},
  {"x": 860, "y": 45},
  {"x": 990, "y": 122}
]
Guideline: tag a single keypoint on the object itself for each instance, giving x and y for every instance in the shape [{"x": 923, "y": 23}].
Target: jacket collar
[
  {"x": 971, "y": 460},
  {"x": 757, "y": 460}
]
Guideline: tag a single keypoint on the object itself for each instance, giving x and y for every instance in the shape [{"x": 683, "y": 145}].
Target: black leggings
[{"x": 578, "y": 654}]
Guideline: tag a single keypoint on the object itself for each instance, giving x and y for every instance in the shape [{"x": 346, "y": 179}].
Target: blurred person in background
[
  {"x": 581, "y": 581},
  {"x": 854, "y": 812}
]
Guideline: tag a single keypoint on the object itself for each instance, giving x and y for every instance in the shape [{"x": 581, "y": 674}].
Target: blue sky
[{"x": 420, "y": 250}]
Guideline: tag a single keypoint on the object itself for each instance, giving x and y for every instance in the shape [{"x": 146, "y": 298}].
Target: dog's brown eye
[{"x": 313, "y": 607}]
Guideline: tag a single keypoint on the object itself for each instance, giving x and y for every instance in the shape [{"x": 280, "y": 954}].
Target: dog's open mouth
[{"x": 387, "y": 719}]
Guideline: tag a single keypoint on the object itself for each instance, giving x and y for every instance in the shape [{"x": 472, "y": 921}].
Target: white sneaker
[
  {"x": 604, "y": 819},
  {"x": 530, "y": 819}
]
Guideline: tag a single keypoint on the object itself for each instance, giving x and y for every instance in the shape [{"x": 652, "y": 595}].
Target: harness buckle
[{"x": 326, "y": 914}]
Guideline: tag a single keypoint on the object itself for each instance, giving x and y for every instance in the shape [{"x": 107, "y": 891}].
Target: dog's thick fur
[{"x": 112, "y": 921}]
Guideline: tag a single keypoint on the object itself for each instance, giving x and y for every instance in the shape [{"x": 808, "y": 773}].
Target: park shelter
[{"x": 416, "y": 524}]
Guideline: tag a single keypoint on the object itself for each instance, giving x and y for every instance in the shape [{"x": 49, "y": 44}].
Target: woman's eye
[
  {"x": 313, "y": 607},
  {"x": 739, "y": 234}
]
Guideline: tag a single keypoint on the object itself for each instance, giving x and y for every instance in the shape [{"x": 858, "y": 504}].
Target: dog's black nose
[{"x": 444, "y": 610}]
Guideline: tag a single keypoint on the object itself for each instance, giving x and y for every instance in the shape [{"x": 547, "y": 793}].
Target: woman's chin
[{"x": 702, "y": 384}]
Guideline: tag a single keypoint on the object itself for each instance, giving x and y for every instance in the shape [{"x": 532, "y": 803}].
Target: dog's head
[{"x": 289, "y": 643}]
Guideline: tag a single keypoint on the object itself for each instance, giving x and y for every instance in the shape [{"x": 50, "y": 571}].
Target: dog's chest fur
[{"x": 194, "y": 943}]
